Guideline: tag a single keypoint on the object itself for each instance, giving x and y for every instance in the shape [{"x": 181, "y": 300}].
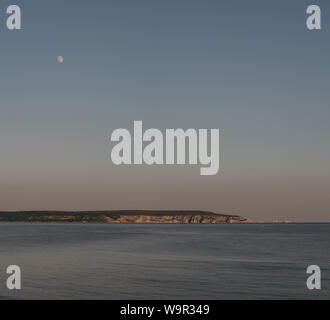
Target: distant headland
[{"x": 121, "y": 216}]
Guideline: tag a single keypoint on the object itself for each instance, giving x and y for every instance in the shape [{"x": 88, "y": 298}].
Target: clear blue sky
[{"x": 250, "y": 68}]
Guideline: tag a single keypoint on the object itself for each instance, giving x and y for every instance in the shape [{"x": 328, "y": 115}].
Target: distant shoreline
[
  {"x": 123, "y": 216},
  {"x": 136, "y": 217}
]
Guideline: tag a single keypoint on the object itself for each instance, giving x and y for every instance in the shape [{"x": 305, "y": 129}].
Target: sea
[{"x": 164, "y": 261}]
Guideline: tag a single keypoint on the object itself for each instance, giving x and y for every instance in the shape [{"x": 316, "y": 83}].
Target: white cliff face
[
  {"x": 122, "y": 217},
  {"x": 176, "y": 219}
]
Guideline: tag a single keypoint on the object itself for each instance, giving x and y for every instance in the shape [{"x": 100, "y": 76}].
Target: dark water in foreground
[{"x": 97, "y": 261}]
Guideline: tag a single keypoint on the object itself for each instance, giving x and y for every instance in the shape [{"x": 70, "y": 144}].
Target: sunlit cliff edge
[{"x": 128, "y": 216}]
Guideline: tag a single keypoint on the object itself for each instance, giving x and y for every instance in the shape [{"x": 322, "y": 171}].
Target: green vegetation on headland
[{"x": 121, "y": 216}]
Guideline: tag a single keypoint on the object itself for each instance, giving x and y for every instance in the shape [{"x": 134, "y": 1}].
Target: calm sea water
[{"x": 98, "y": 261}]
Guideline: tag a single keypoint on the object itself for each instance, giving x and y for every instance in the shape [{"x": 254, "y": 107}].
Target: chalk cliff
[{"x": 131, "y": 216}]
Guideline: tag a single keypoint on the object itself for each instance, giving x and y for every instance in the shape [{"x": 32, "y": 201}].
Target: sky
[{"x": 250, "y": 68}]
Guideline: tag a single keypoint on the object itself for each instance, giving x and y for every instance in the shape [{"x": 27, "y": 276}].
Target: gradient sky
[{"x": 250, "y": 68}]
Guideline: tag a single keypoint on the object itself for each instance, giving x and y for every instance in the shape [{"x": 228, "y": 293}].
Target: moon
[{"x": 60, "y": 59}]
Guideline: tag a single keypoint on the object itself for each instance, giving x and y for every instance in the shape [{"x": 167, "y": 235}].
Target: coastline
[{"x": 123, "y": 216}]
